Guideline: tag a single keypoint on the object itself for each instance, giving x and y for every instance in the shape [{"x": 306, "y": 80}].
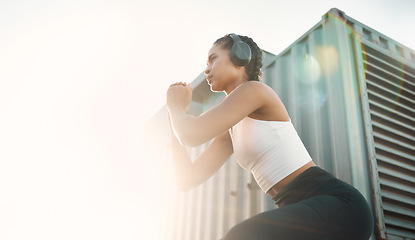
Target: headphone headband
[{"x": 235, "y": 38}]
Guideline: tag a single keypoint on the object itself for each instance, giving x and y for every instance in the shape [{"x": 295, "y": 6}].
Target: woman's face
[{"x": 221, "y": 73}]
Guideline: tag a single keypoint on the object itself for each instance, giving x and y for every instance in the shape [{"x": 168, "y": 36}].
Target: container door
[{"x": 387, "y": 85}]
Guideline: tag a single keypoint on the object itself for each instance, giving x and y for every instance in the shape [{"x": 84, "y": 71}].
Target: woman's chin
[{"x": 213, "y": 89}]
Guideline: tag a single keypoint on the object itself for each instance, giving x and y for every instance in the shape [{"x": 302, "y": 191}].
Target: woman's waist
[
  {"x": 312, "y": 182},
  {"x": 276, "y": 188}
]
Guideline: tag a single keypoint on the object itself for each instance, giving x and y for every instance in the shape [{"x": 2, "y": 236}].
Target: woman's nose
[{"x": 207, "y": 71}]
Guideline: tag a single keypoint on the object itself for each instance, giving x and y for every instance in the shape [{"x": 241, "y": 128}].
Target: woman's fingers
[{"x": 179, "y": 83}]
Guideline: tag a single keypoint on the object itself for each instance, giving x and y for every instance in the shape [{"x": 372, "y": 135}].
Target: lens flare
[
  {"x": 308, "y": 69},
  {"x": 328, "y": 58}
]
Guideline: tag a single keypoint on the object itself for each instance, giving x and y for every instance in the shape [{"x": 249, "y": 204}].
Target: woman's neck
[{"x": 238, "y": 82}]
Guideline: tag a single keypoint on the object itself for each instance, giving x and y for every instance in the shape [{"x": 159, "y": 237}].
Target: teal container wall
[{"x": 321, "y": 79}]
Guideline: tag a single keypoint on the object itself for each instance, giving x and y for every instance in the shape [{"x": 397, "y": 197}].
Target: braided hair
[{"x": 253, "y": 69}]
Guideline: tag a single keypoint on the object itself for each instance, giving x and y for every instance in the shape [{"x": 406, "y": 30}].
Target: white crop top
[{"x": 271, "y": 150}]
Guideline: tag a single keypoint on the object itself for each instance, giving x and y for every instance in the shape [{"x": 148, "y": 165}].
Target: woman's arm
[
  {"x": 193, "y": 131},
  {"x": 191, "y": 174}
]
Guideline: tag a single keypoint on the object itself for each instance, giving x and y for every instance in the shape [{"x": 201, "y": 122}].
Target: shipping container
[{"x": 350, "y": 92}]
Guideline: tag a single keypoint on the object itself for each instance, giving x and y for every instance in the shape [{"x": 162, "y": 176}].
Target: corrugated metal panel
[
  {"x": 389, "y": 81},
  {"x": 342, "y": 112}
]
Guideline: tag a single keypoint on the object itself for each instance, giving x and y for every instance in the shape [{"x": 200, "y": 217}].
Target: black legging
[{"x": 315, "y": 205}]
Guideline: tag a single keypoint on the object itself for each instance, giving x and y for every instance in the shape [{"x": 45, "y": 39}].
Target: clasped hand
[{"x": 179, "y": 95}]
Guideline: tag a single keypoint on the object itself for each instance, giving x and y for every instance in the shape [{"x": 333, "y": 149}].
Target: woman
[{"x": 252, "y": 123}]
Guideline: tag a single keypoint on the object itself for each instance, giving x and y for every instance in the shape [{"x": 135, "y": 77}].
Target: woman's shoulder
[
  {"x": 271, "y": 106},
  {"x": 255, "y": 84},
  {"x": 255, "y": 88}
]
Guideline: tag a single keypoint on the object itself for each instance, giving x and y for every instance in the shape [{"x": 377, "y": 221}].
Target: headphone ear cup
[{"x": 240, "y": 52}]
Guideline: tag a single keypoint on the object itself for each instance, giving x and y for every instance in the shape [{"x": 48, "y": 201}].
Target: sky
[{"x": 79, "y": 79}]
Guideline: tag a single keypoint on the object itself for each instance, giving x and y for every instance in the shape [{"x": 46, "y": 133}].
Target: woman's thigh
[{"x": 321, "y": 217}]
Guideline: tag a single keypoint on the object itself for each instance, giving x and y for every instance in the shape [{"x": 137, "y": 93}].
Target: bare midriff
[{"x": 285, "y": 181}]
